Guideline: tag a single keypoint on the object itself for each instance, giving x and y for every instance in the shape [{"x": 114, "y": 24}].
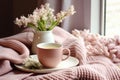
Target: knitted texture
[
  {"x": 11, "y": 51},
  {"x": 97, "y": 55},
  {"x": 90, "y": 67},
  {"x": 21, "y": 51}
]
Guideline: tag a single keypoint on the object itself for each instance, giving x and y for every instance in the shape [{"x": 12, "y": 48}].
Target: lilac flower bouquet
[{"x": 43, "y": 18}]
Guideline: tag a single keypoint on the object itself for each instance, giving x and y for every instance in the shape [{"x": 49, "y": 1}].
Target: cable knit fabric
[
  {"x": 98, "y": 57},
  {"x": 90, "y": 68}
]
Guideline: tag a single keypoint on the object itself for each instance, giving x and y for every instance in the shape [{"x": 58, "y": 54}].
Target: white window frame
[{"x": 96, "y": 16}]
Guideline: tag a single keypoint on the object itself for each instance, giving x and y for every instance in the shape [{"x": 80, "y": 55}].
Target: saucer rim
[{"x": 48, "y": 70}]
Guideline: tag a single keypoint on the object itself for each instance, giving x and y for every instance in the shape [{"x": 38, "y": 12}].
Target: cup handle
[{"x": 68, "y": 53}]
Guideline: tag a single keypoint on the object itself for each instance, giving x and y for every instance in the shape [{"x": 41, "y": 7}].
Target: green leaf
[
  {"x": 53, "y": 25},
  {"x": 41, "y": 26}
]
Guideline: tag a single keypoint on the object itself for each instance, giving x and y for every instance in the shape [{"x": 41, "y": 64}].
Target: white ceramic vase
[{"x": 40, "y": 37}]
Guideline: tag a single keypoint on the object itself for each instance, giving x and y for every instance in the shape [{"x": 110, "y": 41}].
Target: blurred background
[{"x": 9, "y": 10}]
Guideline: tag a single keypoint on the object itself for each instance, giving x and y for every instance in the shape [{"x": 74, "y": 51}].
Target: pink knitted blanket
[{"x": 98, "y": 56}]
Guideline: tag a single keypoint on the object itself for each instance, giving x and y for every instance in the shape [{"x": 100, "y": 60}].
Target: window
[
  {"x": 112, "y": 19},
  {"x": 97, "y": 16}
]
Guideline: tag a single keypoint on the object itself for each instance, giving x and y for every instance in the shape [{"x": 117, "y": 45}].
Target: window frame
[
  {"x": 97, "y": 16},
  {"x": 103, "y": 17}
]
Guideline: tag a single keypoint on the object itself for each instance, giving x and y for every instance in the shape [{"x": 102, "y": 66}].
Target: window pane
[{"x": 112, "y": 17}]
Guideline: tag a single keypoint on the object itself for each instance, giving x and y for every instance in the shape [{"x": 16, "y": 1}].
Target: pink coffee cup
[{"x": 51, "y": 54}]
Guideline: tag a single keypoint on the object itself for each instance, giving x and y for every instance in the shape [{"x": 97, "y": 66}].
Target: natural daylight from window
[{"x": 112, "y": 18}]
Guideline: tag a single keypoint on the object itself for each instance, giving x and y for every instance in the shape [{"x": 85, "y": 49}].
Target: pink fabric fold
[
  {"x": 19, "y": 52},
  {"x": 95, "y": 62},
  {"x": 11, "y": 51}
]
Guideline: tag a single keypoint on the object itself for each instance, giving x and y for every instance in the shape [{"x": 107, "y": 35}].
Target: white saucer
[{"x": 70, "y": 62}]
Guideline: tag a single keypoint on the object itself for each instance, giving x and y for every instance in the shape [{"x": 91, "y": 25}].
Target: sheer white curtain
[{"x": 77, "y": 21}]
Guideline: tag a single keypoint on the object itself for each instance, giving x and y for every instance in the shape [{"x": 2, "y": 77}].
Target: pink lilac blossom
[{"x": 43, "y": 18}]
